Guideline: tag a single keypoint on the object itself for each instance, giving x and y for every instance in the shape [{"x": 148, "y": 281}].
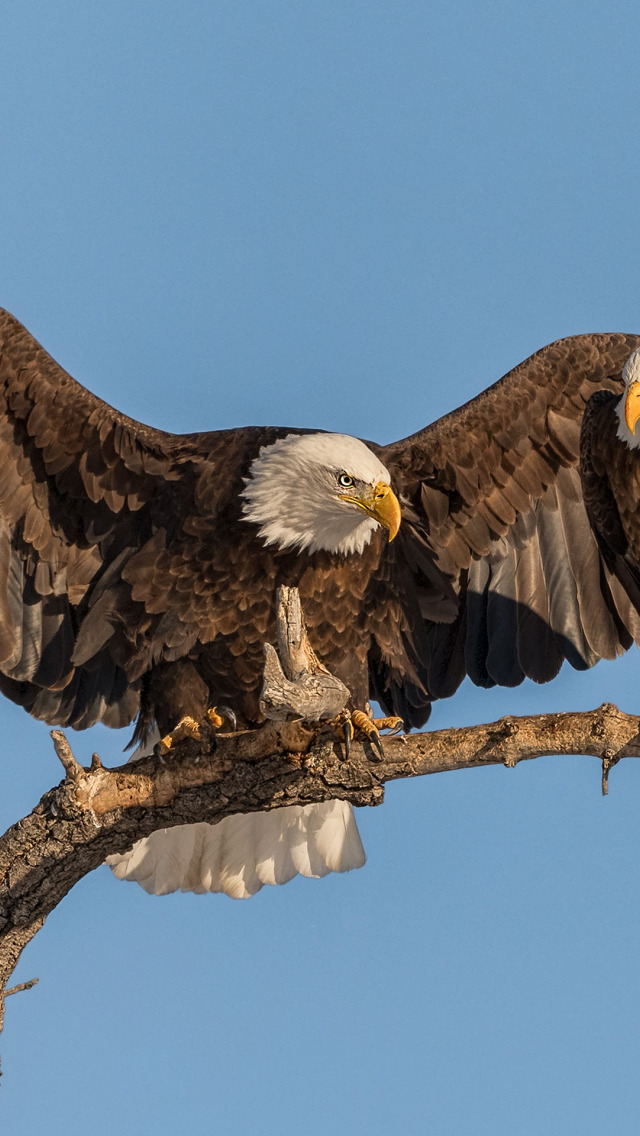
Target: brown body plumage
[
  {"x": 130, "y": 581},
  {"x": 610, "y": 475}
]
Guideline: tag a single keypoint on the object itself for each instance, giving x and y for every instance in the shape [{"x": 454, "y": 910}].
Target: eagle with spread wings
[{"x": 138, "y": 568}]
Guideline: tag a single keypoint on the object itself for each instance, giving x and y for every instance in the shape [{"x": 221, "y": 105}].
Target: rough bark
[
  {"x": 95, "y": 812},
  {"x": 296, "y": 684}
]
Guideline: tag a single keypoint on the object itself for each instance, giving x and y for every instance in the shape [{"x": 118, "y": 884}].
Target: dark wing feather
[
  {"x": 84, "y": 491},
  {"x": 495, "y": 495},
  {"x": 610, "y": 475}
]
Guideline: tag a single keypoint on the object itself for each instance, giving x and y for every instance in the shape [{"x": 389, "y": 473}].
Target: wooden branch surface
[{"x": 95, "y": 812}]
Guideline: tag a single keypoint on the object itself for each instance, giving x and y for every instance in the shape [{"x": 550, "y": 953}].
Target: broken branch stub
[
  {"x": 316, "y": 697},
  {"x": 296, "y": 684}
]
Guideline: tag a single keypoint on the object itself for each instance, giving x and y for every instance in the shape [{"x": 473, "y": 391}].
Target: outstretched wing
[
  {"x": 80, "y": 489},
  {"x": 495, "y": 498}
]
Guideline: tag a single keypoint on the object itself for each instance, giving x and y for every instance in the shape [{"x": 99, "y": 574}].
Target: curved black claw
[
  {"x": 369, "y": 728},
  {"x": 351, "y": 724},
  {"x": 229, "y": 714},
  {"x": 376, "y": 743},
  {"x": 218, "y": 714},
  {"x": 348, "y": 736}
]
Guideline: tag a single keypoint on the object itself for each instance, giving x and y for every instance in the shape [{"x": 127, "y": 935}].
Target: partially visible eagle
[
  {"x": 610, "y": 474},
  {"x": 138, "y": 570}
]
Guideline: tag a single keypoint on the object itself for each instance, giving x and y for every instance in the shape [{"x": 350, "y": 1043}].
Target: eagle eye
[{"x": 345, "y": 481}]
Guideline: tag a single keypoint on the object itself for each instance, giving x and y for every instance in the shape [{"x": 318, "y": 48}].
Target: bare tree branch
[
  {"x": 101, "y": 811},
  {"x": 21, "y": 986},
  {"x": 95, "y": 812}
]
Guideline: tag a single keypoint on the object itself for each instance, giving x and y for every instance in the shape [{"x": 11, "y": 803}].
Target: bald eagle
[{"x": 138, "y": 571}]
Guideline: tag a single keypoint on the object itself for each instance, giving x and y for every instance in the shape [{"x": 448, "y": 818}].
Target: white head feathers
[
  {"x": 630, "y": 374},
  {"x": 293, "y": 493}
]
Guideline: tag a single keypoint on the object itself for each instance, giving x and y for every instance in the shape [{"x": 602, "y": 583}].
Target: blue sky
[{"x": 352, "y": 216}]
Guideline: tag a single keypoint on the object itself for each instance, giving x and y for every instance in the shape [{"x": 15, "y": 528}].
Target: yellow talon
[
  {"x": 214, "y": 718},
  {"x": 393, "y": 723},
  {"x": 187, "y": 728},
  {"x": 371, "y": 727},
  {"x": 365, "y": 724},
  {"x": 346, "y": 724}
]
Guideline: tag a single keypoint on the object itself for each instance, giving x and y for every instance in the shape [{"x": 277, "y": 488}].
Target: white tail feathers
[{"x": 241, "y": 853}]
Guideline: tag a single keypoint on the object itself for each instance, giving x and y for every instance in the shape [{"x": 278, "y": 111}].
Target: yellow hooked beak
[
  {"x": 380, "y": 503},
  {"x": 632, "y": 405}
]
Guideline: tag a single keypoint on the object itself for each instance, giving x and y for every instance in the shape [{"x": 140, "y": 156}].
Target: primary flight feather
[{"x": 138, "y": 570}]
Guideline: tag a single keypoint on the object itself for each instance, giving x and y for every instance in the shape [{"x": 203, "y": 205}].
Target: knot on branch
[
  {"x": 498, "y": 743},
  {"x": 605, "y": 719},
  {"x": 508, "y": 727}
]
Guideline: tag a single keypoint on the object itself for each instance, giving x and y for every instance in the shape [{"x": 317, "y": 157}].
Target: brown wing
[
  {"x": 83, "y": 491},
  {"x": 495, "y": 495}
]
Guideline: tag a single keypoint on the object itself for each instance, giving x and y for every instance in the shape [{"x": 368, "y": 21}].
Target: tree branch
[
  {"x": 101, "y": 811},
  {"x": 95, "y": 812}
]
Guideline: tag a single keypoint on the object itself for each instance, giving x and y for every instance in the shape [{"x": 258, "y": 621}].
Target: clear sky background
[{"x": 352, "y": 216}]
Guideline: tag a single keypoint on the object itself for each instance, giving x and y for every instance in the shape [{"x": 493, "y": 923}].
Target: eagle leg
[
  {"x": 371, "y": 727},
  {"x": 393, "y": 724},
  {"x": 343, "y": 727},
  {"x": 187, "y": 728},
  {"x": 367, "y": 726},
  {"x": 348, "y": 724}
]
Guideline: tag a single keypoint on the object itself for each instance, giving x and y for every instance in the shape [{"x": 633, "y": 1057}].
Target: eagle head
[{"x": 317, "y": 492}]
